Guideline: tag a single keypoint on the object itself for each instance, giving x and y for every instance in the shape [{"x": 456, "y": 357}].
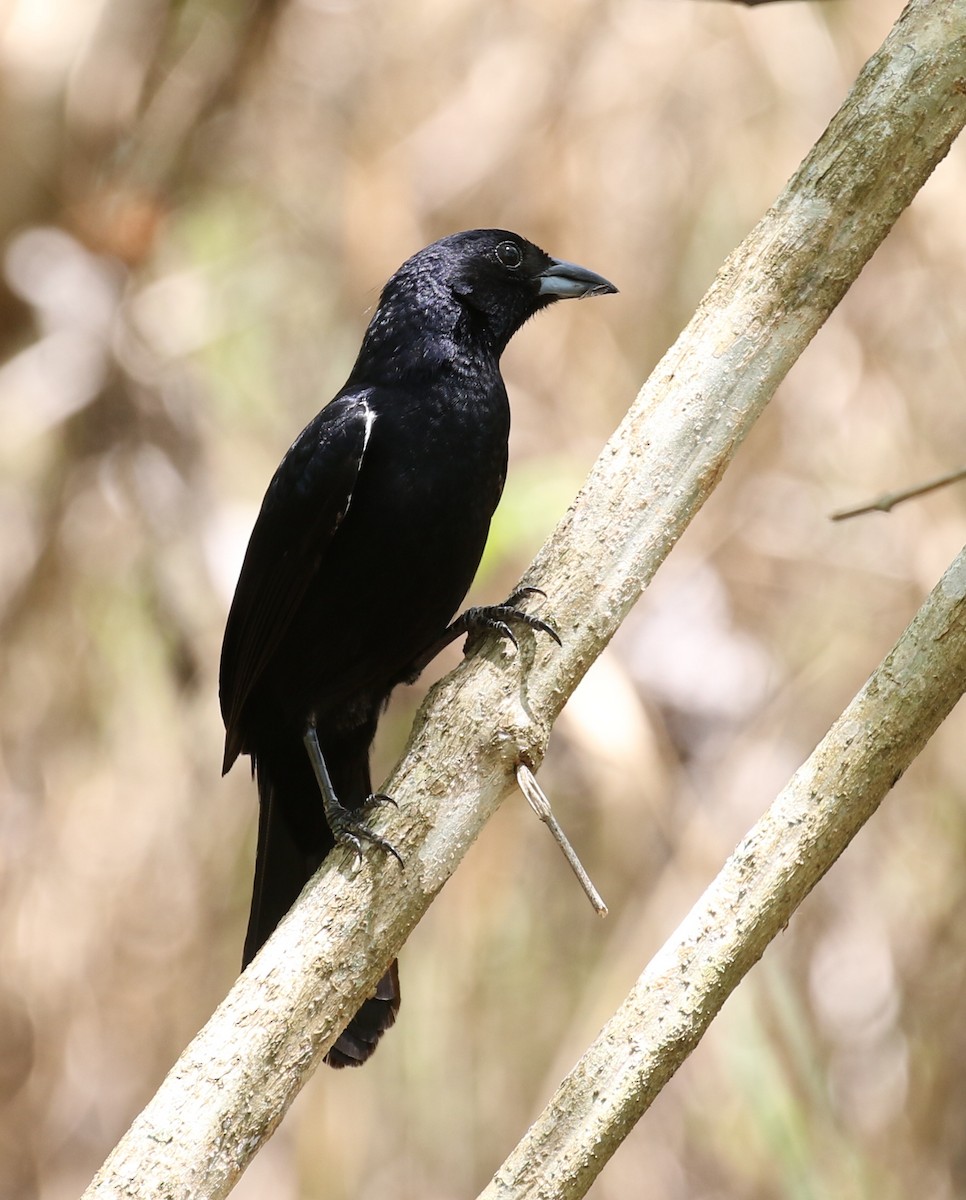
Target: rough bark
[{"x": 234, "y": 1082}]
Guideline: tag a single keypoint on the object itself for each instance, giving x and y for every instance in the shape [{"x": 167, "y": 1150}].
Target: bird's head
[
  {"x": 482, "y": 283},
  {"x": 501, "y": 279}
]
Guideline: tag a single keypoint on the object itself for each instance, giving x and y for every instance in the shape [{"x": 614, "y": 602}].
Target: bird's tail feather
[
  {"x": 358, "y": 1040},
  {"x": 293, "y": 839}
]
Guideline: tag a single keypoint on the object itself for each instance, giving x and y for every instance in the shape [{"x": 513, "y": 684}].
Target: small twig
[
  {"x": 887, "y": 502},
  {"x": 751, "y": 3},
  {"x": 537, "y": 799}
]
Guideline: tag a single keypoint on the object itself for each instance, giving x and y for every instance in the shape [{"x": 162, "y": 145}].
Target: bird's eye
[{"x": 509, "y": 254}]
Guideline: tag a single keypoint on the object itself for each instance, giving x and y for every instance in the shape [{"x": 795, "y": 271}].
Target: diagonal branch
[
  {"x": 888, "y": 502},
  {"x": 673, "y": 1002},
  {"x": 234, "y": 1082}
]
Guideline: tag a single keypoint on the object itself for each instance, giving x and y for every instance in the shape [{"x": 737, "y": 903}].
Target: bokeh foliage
[{"x": 199, "y": 203}]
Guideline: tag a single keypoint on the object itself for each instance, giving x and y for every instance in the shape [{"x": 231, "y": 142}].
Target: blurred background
[{"x": 199, "y": 202}]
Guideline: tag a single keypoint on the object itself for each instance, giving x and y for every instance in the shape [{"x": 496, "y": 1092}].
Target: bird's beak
[{"x": 565, "y": 281}]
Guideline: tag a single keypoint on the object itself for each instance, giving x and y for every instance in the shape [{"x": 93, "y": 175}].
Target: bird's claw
[
  {"x": 348, "y": 830},
  {"x": 378, "y": 800},
  {"x": 499, "y": 618}
]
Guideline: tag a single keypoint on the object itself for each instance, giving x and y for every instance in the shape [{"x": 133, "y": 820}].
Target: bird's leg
[
  {"x": 346, "y": 828},
  {"x": 483, "y": 619}
]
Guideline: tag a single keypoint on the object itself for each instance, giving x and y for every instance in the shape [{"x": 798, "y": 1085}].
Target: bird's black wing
[{"x": 303, "y": 507}]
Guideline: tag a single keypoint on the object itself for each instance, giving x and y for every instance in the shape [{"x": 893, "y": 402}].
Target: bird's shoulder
[{"x": 327, "y": 453}]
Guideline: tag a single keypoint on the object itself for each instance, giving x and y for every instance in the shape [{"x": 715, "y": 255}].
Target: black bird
[{"x": 367, "y": 540}]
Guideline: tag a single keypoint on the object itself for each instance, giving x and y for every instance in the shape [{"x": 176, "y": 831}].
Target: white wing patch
[{"x": 370, "y": 419}]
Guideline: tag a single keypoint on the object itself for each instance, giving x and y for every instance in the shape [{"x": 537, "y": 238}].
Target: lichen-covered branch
[{"x": 234, "y": 1082}]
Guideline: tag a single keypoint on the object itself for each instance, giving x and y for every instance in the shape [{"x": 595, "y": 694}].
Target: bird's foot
[
  {"x": 345, "y": 823},
  {"x": 477, "y": 622},
  {"x": 349, "y": 829},
  {"x": 500, "y": 619}
]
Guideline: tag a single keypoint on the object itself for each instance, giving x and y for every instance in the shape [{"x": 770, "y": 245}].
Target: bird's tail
[{"x": 293, "y": 839}]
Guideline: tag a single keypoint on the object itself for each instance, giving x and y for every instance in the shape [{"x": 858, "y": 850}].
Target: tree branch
[
  {"x": 888, "y": 502},
  {"x": 234, "y": 1082},
  {"x": 825, "y": 804}
]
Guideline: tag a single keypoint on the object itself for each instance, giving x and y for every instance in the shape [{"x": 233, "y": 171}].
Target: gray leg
[{"x": 346, "y": 828}]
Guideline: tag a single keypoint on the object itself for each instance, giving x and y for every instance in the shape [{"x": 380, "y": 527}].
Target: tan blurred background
[{"x": 198, "y": 205}]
